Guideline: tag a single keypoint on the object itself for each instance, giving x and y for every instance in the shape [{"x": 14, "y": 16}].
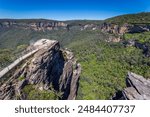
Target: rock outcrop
[
  {"x": 50, "y": 66},
  {"x": 125, "y": 28},
  {"x": 37, "y": 25},
  {"x": 138, "y": 88}
]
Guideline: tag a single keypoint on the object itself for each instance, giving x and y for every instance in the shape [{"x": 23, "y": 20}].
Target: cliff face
[
  {"x": 43, "y": 24},
  {"x": 37, "y": 25},
  {"x": 50, "y": 67},
  {"x": 125, "y": 28}
]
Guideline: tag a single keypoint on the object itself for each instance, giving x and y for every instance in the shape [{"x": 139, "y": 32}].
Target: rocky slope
[
  {"x": 118, "y": 28},
  {"x": 138, "y": 88},
  {"x": 49, "y": 69}
]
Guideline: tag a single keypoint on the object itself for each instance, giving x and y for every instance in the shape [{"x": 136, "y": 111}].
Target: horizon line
[{"x": 71, "y": 19}]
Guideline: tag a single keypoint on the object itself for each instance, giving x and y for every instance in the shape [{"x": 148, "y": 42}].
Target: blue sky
[{"x": 70, "y": 9}]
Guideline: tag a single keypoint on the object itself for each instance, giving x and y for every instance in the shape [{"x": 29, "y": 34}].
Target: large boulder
[{"x": 138, "y": 88}]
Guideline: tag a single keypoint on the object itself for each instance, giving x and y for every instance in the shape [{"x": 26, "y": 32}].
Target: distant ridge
[{"x": 143, "y": 17}]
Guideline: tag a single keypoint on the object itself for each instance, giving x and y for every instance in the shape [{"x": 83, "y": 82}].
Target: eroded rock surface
[
  {"x": 50, "y": 66},
  {"x": 138, "y": 88}
]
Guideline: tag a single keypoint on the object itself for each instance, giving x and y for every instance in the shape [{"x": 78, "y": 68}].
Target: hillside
[
  {"x": 14, "y": 32},
  {"x": 105, "y": 65},
  {"x": 131, "y": 18}
]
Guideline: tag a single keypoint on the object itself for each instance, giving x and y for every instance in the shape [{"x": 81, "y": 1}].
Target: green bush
[
  {"x": 21, "y": 78},
  {"x": 140, "y": 37},
  {"x": 35, "y": 94}
]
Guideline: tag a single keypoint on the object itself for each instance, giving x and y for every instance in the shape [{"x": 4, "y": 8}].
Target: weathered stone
[
  {"x": 74, "y": 86},
  {"x": 49, "y": 65},
  {"x": 138, "y": 88}
]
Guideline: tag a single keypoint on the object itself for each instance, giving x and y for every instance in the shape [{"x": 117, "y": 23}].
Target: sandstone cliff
[
  {"x": 37, "y": 25},
  {"x": 50, "y": 68},
  {"x": 44, "y": 24},
  {"x": 125, "y": 28}
]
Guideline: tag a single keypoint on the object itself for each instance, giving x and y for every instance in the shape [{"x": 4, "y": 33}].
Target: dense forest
[{"x": 140, "y": 18}]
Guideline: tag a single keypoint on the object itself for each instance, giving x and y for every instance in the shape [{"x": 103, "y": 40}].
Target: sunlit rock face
[
  {"x": 138, "y": 88},
  {"x": 36, "y": 25},
  {"x": 49, "y": 67}
]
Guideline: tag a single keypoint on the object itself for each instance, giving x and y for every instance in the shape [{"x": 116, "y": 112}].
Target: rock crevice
[
  {"x": 138, "y": 88},
  {"x": 49, "y": 67}
]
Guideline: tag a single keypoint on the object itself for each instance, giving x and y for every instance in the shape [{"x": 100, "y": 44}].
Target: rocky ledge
[
  {"x": 138, "y": 88},
  {"x": 49, "y": 69}
]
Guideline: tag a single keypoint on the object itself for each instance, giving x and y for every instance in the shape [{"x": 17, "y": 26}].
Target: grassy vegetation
[
  {"x": 35, "y": 94},
  {"x": 21, "y": 78},
  {"x": 141, "y": 37},
  {"x": 8, "y": 55}
]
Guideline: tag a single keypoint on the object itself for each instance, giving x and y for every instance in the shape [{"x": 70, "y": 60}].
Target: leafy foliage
[
  {"x": 6, "y": 57},
  {"x": 105, "y": 65}
]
